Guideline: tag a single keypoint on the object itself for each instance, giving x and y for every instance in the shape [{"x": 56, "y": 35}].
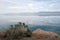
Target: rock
[
  {"x": 2, "y": 34},
  {"x": 45, "y": 35}
]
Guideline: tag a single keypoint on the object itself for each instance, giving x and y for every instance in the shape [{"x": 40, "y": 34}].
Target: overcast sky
[
  {"x": 36, "y": 20},
  {"x": 30, "y": 6},
  {"x": 18, "y": 6}
]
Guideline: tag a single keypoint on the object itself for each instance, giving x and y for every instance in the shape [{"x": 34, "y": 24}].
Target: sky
[
  {"x": 22, "y": 6},
  {"x": 13, "y": 9},
  {"x": 34, "y": 20}
]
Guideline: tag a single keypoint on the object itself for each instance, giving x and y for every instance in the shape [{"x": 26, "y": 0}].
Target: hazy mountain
[
  {"x": 4, "y": 26},
  {"x": 46, "y": 27},
  {"x": 48, "y": 13},
  {"x": 34, "y": 14}
]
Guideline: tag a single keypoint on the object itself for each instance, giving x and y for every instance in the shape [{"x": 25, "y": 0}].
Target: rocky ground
[
  {"x": 30, "y": 38},
  {"x": 38, "y": 35}
]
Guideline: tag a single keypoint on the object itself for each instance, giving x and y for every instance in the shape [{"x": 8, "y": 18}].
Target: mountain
[
  {"x": 48, "y": 13},
  {"x": 46, "y": 27},
  {"x": 4, "y": 26}
]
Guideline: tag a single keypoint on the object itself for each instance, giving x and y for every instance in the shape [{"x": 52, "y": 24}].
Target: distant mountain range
[
  {"x": 57, "y": 13},
  {"x": 45, "y": 27},
  {"x": 48, "y": 13},
  {"x": 34, "y": 27}
]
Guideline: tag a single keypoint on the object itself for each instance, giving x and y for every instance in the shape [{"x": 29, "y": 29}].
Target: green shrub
[
  {"x": 14, "y": 32},
  {"x": 28, "y": 33}
]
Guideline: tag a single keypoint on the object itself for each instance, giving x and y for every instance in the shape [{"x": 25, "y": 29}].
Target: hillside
[
  {"x": 45, "y": 35},
  {"x": 21, "y": 31},
  {"x": 39, "y": 35}
]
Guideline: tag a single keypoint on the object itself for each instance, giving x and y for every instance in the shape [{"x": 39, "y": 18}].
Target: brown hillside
[
  {"x": 45, "y": 35},
  {"x": 37, "y": 35}
]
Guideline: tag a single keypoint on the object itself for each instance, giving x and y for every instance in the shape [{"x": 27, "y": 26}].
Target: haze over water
[{"x": 38, "y": 20}]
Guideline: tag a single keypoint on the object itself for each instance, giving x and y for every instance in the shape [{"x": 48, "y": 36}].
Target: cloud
[
  {"x": 36, "y": 20},
  {"x": 16, "y": 6}
]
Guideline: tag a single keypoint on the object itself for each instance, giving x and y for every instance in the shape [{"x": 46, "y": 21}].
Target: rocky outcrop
[
  {"x": 3, "y": 34},
  {"x": 37, "y": 35},
  {"x": 45, "y": 35}
]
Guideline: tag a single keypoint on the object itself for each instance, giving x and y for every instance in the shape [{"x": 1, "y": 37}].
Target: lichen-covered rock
[{"x": 40, "y": 34}]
